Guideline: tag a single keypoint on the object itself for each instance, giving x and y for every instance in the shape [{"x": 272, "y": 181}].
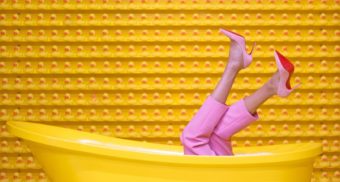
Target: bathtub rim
[{"x": 309, "y": 151}]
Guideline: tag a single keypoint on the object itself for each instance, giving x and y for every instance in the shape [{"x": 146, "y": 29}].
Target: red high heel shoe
[
  {"x": 240, "y": 40},
  {"x": 286, "y": 69}
]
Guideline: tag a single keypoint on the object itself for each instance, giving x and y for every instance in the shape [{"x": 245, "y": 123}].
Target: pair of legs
[{"x": 210, "y": 130}]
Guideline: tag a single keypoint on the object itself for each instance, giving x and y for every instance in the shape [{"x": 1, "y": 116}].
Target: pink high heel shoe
[
  {"x": 240, "y": 40},
  {"x": 286, "y": 69}
]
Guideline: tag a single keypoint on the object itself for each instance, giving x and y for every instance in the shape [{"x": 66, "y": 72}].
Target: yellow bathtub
[{"x": 71, "y": 155}]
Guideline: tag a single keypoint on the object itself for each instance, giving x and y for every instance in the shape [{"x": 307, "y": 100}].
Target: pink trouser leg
[
  {"x": 210, "y": 130},
  {"x": 220, "y": 145},
  {"x": 196, "y": 135},
  {"x": 235, "y": 119}
]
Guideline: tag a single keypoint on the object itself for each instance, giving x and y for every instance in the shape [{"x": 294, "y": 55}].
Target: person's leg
[
  {"x": 195, "y": 137},
  {"x": 261, "y": 95},
  {"x": 239, "y": 116}
]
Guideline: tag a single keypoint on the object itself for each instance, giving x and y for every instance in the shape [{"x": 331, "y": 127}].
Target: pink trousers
[{"x": 209, "y": 131}]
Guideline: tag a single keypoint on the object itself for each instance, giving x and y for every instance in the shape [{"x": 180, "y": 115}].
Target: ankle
[
  {"x": 273, "y": 83},
  {"x": 271, "y": 86},
  {"x": 233, "y": 67}
]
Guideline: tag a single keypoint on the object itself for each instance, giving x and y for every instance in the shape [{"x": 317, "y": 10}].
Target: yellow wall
[{"x": 140, "y": 69}]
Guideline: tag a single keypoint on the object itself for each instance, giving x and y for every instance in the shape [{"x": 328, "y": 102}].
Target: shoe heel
[
  {"x": 296, "y": 86},
  {"x": 291, "y": 90},
  {"x": 249, "y": 56},
  {"x": 254, "y": 45}
]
